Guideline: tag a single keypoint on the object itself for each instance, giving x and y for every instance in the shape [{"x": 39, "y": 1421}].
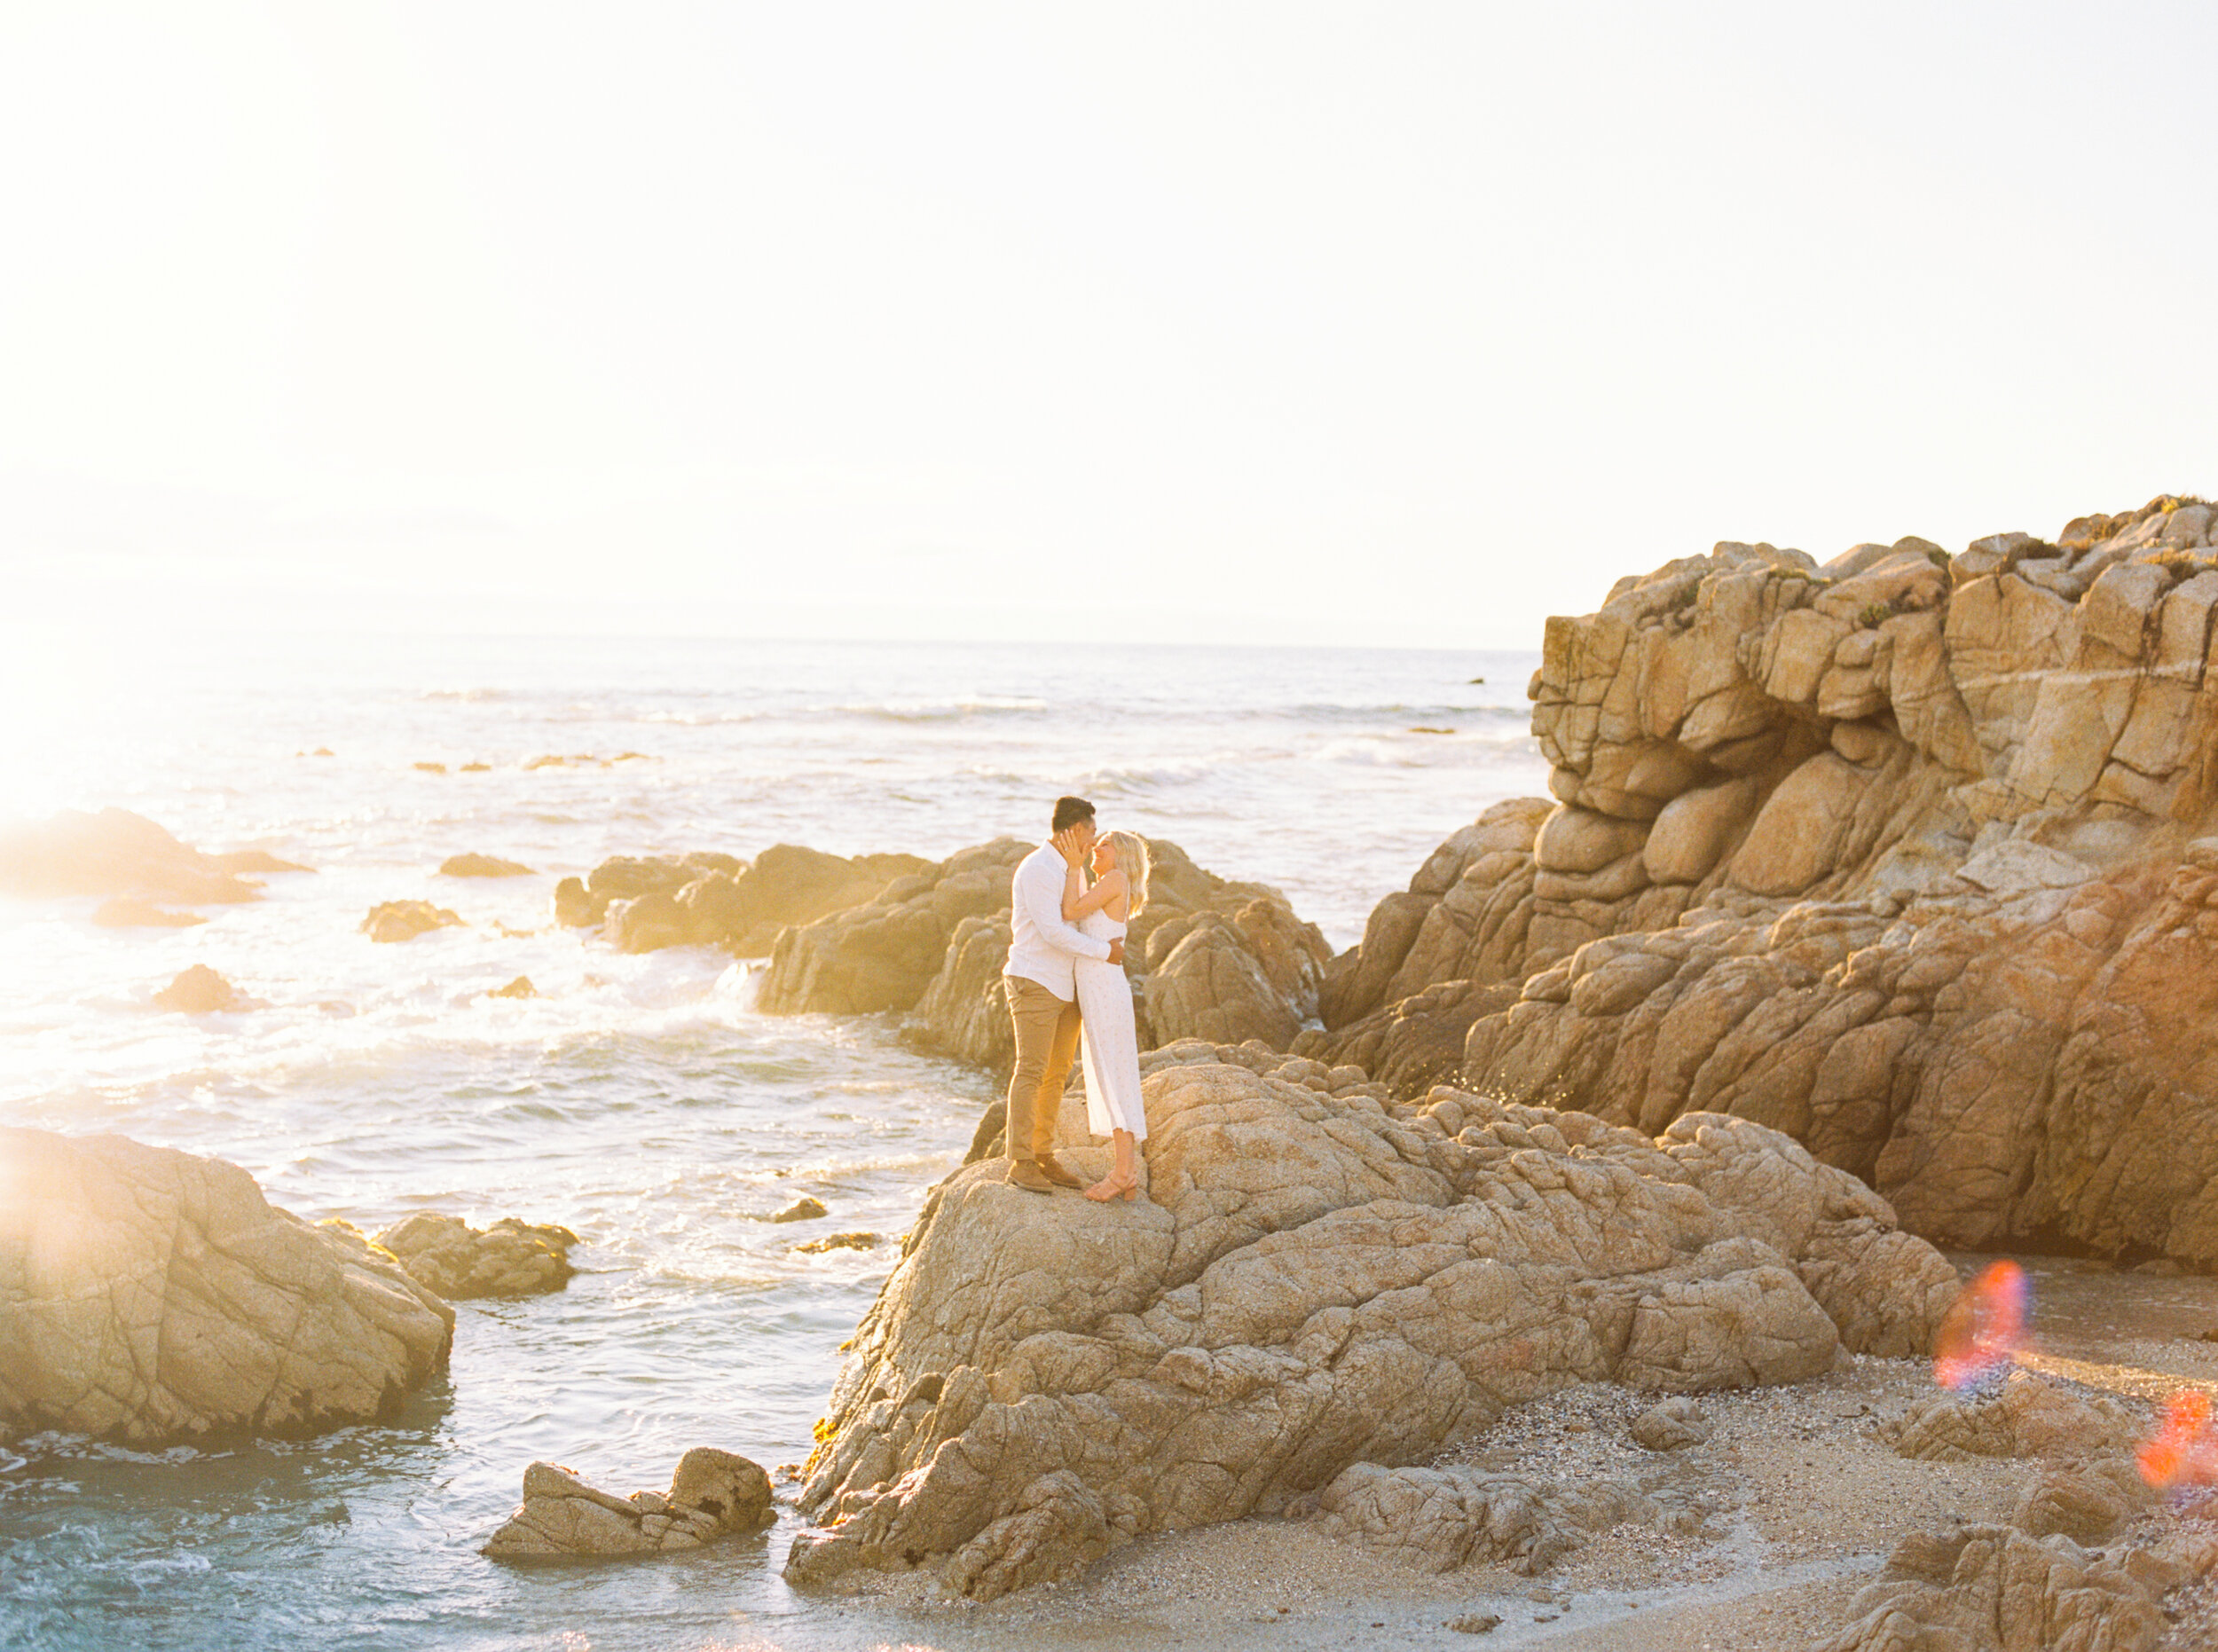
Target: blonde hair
[{"x": 1132, "y": 862}]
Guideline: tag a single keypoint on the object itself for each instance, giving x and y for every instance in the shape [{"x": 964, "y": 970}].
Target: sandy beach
[{"x": 1807, "y": 1500}]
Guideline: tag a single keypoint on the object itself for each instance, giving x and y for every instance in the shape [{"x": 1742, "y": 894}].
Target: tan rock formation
[
  {"x": 1210, "y": 958},
  {"x": 1914, "y": 858},
  {"x": 1320, "y": 1281},
  {"x": 152, "y": 1297},
  {"x": 475, "y": 865},
  {"x": 118, "y": 852},
  {"x": 392, "y": 921},
  {"x": 1439, "y": 1519},
  {"x": 450, "y": 1258},
  {"x": 704, "y": 900},
  {"x": 198, "y": 990},
  {"x": 1998, "y": 1589},
  {"x": 712, "y": 1494}
]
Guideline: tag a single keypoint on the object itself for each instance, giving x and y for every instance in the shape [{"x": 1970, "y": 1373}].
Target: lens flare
[
  {"x": 1985, "y": 1332},
  {"x": 2183, "y": 1450}
]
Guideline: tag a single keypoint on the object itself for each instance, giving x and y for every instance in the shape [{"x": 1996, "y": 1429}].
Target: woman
[{"x": 1111, "y": 1044}]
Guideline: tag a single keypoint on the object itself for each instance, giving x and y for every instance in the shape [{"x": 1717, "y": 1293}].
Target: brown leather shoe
[
  {"x": 1024, "y": 1174},
  {"x": 1054, "y": 1172}
]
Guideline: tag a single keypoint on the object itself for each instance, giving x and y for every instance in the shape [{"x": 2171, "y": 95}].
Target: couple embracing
[{"x": 1066, "y": 987}]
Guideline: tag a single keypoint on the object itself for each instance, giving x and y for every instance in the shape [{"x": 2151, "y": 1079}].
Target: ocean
[{"x": 640, "y": 1101}]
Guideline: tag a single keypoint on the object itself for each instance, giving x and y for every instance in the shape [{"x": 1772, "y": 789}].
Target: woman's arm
[{"x": 1077, "y": 906}]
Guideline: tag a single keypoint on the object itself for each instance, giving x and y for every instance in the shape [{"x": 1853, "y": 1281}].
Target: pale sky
[{"x": 1363, "y": 323}]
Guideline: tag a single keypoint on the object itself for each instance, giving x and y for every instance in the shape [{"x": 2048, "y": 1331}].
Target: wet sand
[{"x": 1805, "y": 1502}]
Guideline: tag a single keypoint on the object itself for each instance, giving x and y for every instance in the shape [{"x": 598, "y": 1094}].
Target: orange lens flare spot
[
  {"x": 1984, "y": 1331},
  {"x": 2183, "y": 1450}
]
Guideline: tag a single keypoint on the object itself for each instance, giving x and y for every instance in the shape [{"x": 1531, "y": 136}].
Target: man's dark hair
[{"x": 1070, "y": 811}]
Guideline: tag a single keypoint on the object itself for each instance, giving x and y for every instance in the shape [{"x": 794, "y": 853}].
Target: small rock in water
[
  {"x": 323, "y": 750},
  {"x": 447, "y": 1256},
  {"x": 1673, "y": 1423},
  {"x": 405, "y": 920},
  {"x": 802, "y": 1210},
  {"x": 840, "y": 1241},
  {"x": 520, "y": 987},
  {"x": 432, "y": 768},
  {"x": 482, "y": 866},
  {"x": 712, "y": 1493},
  {"x": 197, "y": 991},
  {"x": 1475, "y": 1623},
  {"x": 124, "y": 912},
  {"x": 477, "y": 768}
]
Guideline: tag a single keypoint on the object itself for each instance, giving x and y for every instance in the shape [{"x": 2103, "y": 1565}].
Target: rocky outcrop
[
  {"x": 482, "y": 866},
  {"x": 713, "y": 1494},
  {"x": 404, "y": 920},
  {"x": 1913, "y": 857},
  {"x": 704, "y": 900},
  {"x": 1320, "y": 1281},
  {"x": 1210, "y": 958},
  {"x": 118, "y": 852},
  {"x": 198, "y": 990},
  {"x": 1987, "y": 1588},
  {"x": 450, "y": 1258},
  {"x": 153, "y": 1297}
]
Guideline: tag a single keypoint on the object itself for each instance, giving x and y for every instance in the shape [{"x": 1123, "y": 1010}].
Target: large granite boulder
[
  {"x": 1913, "y": 857},
  {"x": 118, "y": 852},
  {"x": 153, "y": 1297},
  {"x": 712, "y": 1494},
  {"x": 1209, "y": 958},
  {"x": 1318, "y": 1281}
]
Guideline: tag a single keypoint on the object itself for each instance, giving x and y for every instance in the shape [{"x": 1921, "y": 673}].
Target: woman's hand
[{"x": 1067, "y": 845}]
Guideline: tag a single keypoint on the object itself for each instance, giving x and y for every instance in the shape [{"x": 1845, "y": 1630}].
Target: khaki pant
[{"x": 1047, "y": 1042}]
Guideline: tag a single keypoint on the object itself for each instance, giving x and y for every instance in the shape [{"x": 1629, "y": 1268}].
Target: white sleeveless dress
[{"x": 1109, "y": 1045}]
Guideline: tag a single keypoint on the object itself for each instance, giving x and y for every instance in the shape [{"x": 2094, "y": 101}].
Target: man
[{"x": 1041, "y": 981}]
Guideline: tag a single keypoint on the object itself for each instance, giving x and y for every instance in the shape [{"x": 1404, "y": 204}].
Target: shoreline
[{"x": 1813, "y": 1503}]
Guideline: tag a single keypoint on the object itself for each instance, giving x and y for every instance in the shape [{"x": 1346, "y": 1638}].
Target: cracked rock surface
[
  {"x": 154, "y": 1297},
  {"x": 1319, "y": 1281},
  {"x": 1913, "y": 857}
]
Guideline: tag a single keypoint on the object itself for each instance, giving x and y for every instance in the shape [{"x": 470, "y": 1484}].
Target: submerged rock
[
  {"x": 199, "y": 990},
  {"x": 452, "y": 1259},
  {"x": 520, "y": 987},
  {"x": 712, "y": 1494},
  {"x": 802, "y": 1209},
  {"x": 118, "y": 852},
  {"x": 405, "y": 920},
  {"x": 482, "y": 866},
  {"x": 1317, "y": 1282},
  {"x": 153, "y": 1297},
  {"x": 127, "y": 912},
  {"x": 857, "y": 1241}
]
